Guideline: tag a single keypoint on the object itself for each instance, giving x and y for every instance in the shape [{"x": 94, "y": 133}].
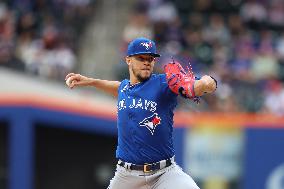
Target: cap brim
[{"x": 152, "y": 54}]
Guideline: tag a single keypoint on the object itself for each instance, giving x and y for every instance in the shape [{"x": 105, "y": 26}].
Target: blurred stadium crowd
[
  {"x": 41, "y": 37},
  {"x": 240, "y": 43}
]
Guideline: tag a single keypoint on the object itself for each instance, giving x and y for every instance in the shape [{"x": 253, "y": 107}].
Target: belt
[{"x": 147, "y": 167}]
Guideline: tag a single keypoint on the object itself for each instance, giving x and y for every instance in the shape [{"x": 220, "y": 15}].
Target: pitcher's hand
[{"x": 75, "y": 80}]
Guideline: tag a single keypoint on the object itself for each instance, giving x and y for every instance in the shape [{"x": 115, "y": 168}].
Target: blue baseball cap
[{"x": 142, "y": 45}]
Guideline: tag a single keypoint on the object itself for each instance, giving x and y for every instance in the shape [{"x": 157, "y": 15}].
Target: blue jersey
[{"x": 145, "y": 120}]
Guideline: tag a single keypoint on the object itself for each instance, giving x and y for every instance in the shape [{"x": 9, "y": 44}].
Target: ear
[{"x": 127, "y": 60}]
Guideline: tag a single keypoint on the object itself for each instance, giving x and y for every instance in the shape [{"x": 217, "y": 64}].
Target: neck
[{"x": 133, "y": 80}]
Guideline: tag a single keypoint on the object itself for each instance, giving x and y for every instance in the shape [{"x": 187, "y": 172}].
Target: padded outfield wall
[{"x": 53, "y": 144}]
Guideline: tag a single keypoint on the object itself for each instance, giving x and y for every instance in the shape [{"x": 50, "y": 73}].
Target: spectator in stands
[
  {"x": 7, "y": 47},
  {"x": 254, "y": 14},
  {"x": 274, "y": 99},
  {"x": 216, "y": 31}
]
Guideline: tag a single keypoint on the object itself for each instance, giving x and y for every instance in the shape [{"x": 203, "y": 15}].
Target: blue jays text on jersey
[
  {"x": 145, "y": 120},
  {"x": 138, "y": 103}
]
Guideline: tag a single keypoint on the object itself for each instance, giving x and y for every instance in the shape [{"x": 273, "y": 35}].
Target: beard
[{"x": 140, "y": 77}]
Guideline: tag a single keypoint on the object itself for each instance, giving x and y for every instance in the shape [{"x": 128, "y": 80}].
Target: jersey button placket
[
  {"x": 133, "y": 131},
  {"x": 130, "y": 116}
]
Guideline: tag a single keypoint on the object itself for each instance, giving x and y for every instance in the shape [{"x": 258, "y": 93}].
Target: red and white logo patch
[{"x": 151, "y": 122}]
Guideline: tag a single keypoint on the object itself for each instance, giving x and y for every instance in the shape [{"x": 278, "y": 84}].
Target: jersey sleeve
[
  {"x": 165, "y": 87},
  {"x": 123, "y": 83}
]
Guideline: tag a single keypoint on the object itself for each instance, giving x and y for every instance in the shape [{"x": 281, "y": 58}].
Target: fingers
[
  {"x": 72, "y": 79},
  {"x": 70, "y": 83},
  {"x": 69, "y": 75}
]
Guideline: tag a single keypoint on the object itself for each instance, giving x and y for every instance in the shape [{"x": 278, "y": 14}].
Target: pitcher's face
[{"x": 141, "y": 66}]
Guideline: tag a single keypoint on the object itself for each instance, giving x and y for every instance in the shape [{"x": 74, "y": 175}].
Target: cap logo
[{"x": 147, "y": 45}]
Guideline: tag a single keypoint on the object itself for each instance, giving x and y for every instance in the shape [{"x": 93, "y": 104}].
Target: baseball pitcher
[{"x": 145, "y": 105}]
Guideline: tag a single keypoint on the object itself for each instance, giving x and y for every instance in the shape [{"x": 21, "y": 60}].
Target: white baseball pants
[{"x": 171, "y": 177}]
